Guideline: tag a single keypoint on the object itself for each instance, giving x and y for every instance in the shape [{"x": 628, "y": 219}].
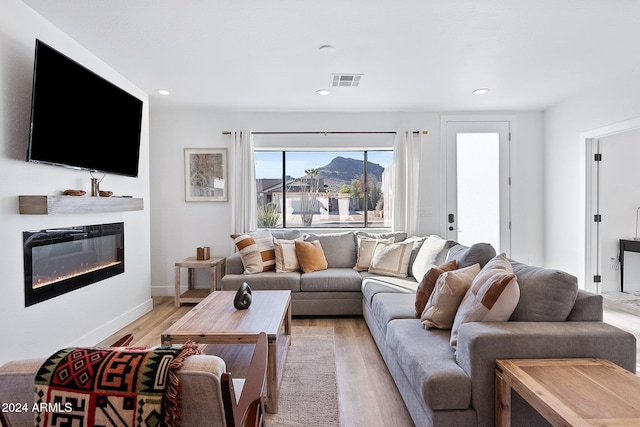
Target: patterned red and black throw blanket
[{"x": 122, "y": 386}]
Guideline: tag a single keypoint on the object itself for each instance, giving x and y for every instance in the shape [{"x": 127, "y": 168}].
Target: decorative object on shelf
[
  {"x": 95, "y": 185},
  {"x": 74, "y": 192},
  {"x": 203, "y": 253},
  {"x": 242, "y": 301},
  {"x": 205, "y": 171},
  {"x": 105, "y": 193}
]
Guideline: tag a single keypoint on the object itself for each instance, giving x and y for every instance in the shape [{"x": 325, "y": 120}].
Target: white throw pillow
[
  {"x": 391, "y": 259},
  {"x": 366, "y": 247},
  {"x": 286, "y": 258},
  {"x": 427, "y": 255}
]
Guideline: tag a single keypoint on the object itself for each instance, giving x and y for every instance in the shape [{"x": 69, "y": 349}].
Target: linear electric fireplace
[{"x": 60, "y": 260}]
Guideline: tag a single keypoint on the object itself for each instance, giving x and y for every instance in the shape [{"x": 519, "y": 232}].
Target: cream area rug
[{"x": 309, "y": 390}]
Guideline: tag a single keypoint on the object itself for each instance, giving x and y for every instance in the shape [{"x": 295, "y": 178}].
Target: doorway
[
  {"x": 478, "y": 183},
  {"x": 615, "y": 210}
]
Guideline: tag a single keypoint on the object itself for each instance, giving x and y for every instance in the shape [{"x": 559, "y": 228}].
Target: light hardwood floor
[{"x": 366, "y": 392}]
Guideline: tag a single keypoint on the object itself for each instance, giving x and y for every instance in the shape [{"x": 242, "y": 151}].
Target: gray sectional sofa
[{"x": 440, "y": 385}]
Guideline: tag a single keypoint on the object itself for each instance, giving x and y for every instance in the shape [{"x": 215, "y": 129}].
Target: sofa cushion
[
  {"x": 267, "y": 281},
  {"x": 331, "y": 280},
  {"x": 428, "y": 361},
  {"x": 286, "y": 233},
  {"x": 449, "y": 290},
  {"x": 339, "y": 248},
  {"x": 397, "y": 236},
  {"x": 256, "y": 251},
  {"x": 373, "y": 284},
  {"x": 431, "y": 253},
  {"x": 465, "y": 256},
  {"x": 386, "y": 307},
  {"x": 366, "y": 246},
  {"x": 310, "y": 256},
  {"x": 428, "y": 282},
  {"x": 492, "y": 297},
  {"x": 546, "y": 295},
  {"x": 391, "y": 259},
  {"x": 286, "y": 258},
  {"x": 417, "y": 244}
]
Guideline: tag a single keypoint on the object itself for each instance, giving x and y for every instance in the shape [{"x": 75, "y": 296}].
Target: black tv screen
[{"x": 79, "y": 119}]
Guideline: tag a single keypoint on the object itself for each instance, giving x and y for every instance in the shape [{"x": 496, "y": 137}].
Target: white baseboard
[{"x": 113, "y": 326}]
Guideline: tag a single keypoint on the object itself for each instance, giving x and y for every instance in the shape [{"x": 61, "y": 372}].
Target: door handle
[{"x": 451, "y": 228}]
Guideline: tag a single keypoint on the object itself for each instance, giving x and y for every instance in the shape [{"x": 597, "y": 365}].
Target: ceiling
[{"x": 416, "y": 55}]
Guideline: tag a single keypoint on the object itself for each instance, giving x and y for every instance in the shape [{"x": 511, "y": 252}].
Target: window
[{"x": 323, "y": 189}]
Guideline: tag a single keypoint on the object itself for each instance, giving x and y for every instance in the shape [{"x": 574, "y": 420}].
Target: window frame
[{"x": 283, "y": 178}]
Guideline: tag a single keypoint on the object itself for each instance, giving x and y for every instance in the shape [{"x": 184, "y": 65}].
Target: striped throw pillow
[{"x": 256, "y": 250}]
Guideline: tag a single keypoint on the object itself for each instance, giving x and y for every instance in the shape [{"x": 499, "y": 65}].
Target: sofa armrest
[
  {"x": 481, "y": 343},
  {"x": 234, "y": 264},
  {"x": 17, "y": 387}
]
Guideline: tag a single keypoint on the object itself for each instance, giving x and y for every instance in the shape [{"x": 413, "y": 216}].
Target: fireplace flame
[{"x": 42, "y": 281}]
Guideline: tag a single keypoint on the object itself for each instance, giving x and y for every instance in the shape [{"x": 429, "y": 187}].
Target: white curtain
[
  {"x": 244, "y": 178},
  {"x": 406, "y": 181}
]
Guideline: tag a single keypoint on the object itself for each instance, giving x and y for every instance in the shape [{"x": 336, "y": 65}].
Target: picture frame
[{"x": 205, "y": 174}]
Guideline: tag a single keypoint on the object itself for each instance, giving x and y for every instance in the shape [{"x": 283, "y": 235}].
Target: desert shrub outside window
[{"x": 323, "y": 189}]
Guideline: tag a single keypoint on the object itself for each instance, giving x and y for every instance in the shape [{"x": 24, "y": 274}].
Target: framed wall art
[{"x": 205, "y": 174}]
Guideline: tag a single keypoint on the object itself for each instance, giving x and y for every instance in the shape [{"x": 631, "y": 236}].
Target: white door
[{"x": 478, "y": 183}]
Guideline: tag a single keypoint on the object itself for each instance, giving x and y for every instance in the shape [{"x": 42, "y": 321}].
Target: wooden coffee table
[
  {"x": 570, "y": 392},
  {"x": 215, "y": 321}
]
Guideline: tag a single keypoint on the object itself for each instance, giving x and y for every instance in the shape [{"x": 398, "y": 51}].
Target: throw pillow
[
  {"x": 310, "y": 256},
  {"x": 391, "y": 259},
  {"x": 286, "y": 258},
  {"x": 256, "y": 251},
  {"x": 428, "y": 255},
  {"x": 492, "y": 297},
  {"x": 425, "y": 288},
  {"x": 365, "y": 252},
  {"x": 449, "y": 290}
]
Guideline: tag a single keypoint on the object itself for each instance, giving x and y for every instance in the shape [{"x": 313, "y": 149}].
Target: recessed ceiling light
[
  {"x": 480, "y": 91},
  {"x": 327, "y": 49},
  {"x": 322, "y": 92},
  {"x": 163, "y": 92}
]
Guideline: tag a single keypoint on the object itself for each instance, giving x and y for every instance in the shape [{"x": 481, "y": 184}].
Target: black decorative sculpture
[{"x": 242, "y": 301}]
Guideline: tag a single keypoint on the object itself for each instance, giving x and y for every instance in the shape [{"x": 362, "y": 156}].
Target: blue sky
[{"x": 269, "y": 163}]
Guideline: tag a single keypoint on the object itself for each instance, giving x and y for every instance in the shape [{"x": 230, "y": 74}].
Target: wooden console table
[
  {"x": 194, "y": 295},
  {"x": 628, "y": 245},
  {"x": 569, "y": 392}
]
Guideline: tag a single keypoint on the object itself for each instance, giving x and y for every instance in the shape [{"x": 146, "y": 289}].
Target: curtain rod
[{"x": 424, "y": 132}]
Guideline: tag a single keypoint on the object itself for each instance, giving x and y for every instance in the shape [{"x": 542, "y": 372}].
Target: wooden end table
[
  {"x": 193, "y": 295},
  {"x": 569, "y": 392},
  {"x": 216, "y": 321}
]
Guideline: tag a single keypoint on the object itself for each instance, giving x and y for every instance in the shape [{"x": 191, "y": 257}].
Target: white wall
[
  {"x": 88, "y": 315},
  {"x": 565, "y": 164},
  {"x": 179, "y": 227}
]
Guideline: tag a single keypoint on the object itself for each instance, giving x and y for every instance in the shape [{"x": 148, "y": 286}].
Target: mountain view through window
[{"x": 297, "y": 189}]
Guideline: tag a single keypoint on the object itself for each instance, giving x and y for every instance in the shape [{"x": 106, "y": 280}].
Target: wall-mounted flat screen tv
[{"x": 79, "y": 119}]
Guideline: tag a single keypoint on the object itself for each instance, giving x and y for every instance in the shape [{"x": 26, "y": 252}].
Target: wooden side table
[
  {"x": 569, "y": 392},
  {"x": 192, "y": 295}
]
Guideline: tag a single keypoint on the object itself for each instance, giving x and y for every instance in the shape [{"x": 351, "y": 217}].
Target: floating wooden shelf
[{"x": 47, "y": 205}]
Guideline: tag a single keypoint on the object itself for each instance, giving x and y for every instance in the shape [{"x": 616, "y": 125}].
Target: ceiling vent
[{"x": 345, "y": 80}]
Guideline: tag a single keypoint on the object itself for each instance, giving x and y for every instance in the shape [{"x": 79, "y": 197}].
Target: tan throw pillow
[
  {"x": 310, "y": 256},
  {"x": 256, "y": 251},
  {"x": 391, "y": 259},
  {"x": 492, "y": 297},
  {"x": 365, "y": 252},
  {"x": 425, "y": 288},
  {"x": 286, "y": 258},
  {"x": 447, "y": 294}
]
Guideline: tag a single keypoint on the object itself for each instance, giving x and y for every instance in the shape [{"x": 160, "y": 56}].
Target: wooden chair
[{"x": 248, "y": 410}]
